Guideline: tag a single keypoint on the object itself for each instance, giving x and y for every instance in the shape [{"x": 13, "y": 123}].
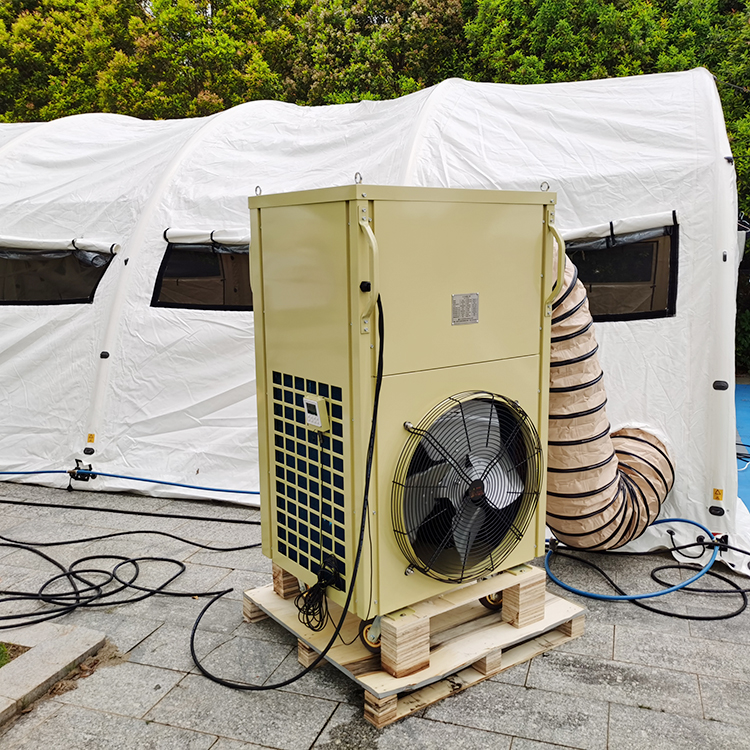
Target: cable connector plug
[
  {"x": 721, "y": 542},
  {"x": 328, "y": 575},
  {"x": 82, "y": 472}
]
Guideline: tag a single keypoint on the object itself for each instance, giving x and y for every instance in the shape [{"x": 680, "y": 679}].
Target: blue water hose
[
  {"x": 634, "y": 597},
  {"x": 160, "y": 481},
  {"x": 87, "y": 472}
]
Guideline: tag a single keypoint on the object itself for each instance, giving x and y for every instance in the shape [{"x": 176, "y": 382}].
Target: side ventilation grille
[{"x": 310, "y": 476}]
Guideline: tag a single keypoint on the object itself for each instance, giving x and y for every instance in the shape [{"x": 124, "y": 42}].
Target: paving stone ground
[{"x": 635, "y": 681}]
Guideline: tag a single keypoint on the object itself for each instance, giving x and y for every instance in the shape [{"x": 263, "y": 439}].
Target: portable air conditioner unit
[{"x": 458, "y": 483}]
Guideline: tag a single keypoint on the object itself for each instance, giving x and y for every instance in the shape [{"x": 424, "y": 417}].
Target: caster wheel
[
  {"x": 493, "y": 601},
  {"x": 365, "y": 630}
]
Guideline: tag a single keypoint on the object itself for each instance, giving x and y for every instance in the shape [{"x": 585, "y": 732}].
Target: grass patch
[{"x": 9, "y": 651}]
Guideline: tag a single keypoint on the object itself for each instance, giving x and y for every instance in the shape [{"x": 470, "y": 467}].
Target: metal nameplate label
[{"x": 464, "y": 309}]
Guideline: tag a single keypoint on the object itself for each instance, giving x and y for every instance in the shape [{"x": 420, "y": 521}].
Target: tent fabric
[{"x": 175, "y": 397}]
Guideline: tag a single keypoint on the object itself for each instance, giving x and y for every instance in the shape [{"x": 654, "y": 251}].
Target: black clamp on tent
[{"x": 81, "y": 473}]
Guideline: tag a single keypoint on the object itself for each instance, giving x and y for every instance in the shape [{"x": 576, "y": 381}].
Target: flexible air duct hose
[{"x": 603, "y": 489}]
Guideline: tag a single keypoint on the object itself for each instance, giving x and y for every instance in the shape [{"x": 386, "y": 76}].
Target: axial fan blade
[
  {"x": 437, "y": 452},
  {"x": 468, "y": 427},
  {"x": 467, "y": 523},
  {"x": 482, "y": 425},
  {"x": 424, "y": 489},
  {"x": 503, "y": 484},
  {"x": 436, "y": 531},
  {"x": 447, "y": 437},
  {"x": 505, "y": 447}
]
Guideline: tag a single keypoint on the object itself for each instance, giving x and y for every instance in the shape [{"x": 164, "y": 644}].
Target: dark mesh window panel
[
  {"x": 629, "y": 277},
  {"x": 27, "y": 278},
  {"x": 629, "y": 264},
  {"x": 204, "y": 277}
]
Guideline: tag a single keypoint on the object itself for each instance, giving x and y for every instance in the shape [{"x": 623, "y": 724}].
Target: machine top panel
[{"x": 396, "y": 193}]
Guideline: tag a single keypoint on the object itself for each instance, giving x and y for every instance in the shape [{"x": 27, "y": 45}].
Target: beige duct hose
[{"x": 603, "y": 489}]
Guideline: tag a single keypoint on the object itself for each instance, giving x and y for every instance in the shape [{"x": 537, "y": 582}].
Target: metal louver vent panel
[{"x": 309, "y": 476}]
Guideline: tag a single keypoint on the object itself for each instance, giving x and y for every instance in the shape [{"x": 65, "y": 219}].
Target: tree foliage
[
  {"x": 183, "y": 58},
  {"x": 346, "y": 52}
]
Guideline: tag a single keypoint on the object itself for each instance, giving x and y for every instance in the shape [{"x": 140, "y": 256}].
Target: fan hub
[{"x": 476, "y": 490}]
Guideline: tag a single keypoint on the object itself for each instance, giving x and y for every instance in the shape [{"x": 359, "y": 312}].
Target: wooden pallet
[{"x": 437, "y": 647}]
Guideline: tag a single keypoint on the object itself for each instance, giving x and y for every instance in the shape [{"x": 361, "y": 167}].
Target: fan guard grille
[{"x": 466, "y": 486}]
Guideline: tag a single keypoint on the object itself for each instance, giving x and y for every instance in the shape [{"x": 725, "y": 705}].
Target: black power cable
[
  {"x": 312, "y": 603},
  {"x": 114, "y": 534},
  {"x": 360, "y": 545},
  {"x": 149, "y": 514}
]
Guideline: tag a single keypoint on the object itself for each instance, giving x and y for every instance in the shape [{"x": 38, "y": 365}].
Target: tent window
[
  {"x": 205, "y": 277},
  {"x": 631, "y": 276},
  {"x": 29, "y": 277}
]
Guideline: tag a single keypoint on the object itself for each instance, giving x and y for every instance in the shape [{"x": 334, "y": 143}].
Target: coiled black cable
[
  {"x": 312, "y": 604},
  {"x": 76, "y": 586}
]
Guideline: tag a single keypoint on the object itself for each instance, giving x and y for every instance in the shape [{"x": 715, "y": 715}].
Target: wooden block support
[
  {"x": 523, "y": 604},
  {"x": 490, "y": 663},
  {"x": 380, "y": 711},
  {"x": 404, "y": 643},
  {"x": 306, "y": 655},
  {"x": 284, "y": 584},
  {"x": 251, "y": 612},
  {"x": 573, "y": 628}
]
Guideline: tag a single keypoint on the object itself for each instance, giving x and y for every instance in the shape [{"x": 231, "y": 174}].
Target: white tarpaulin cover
[{"x": 175, "y": 398}]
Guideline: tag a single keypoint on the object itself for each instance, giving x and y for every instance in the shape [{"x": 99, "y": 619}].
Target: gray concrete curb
[{"x": 54, "y": 650}]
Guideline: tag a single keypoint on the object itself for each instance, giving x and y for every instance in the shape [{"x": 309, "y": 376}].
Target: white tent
[{"x": 168, "y": 393}]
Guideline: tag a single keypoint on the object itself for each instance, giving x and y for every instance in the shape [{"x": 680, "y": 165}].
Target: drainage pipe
[{"x": 603, "y": 489}]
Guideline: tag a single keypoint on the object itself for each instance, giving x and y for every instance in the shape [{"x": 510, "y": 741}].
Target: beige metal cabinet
[{"x": 465, "y": 278}]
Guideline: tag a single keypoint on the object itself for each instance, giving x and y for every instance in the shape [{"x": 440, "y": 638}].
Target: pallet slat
[
  {"x": 524, "y": 604},
  {"x": 574, "y": 628},
  {"x": 306, "y": 655},
  {"x": 490, "y": 664},
  {"x": 251, "y": 612}
]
